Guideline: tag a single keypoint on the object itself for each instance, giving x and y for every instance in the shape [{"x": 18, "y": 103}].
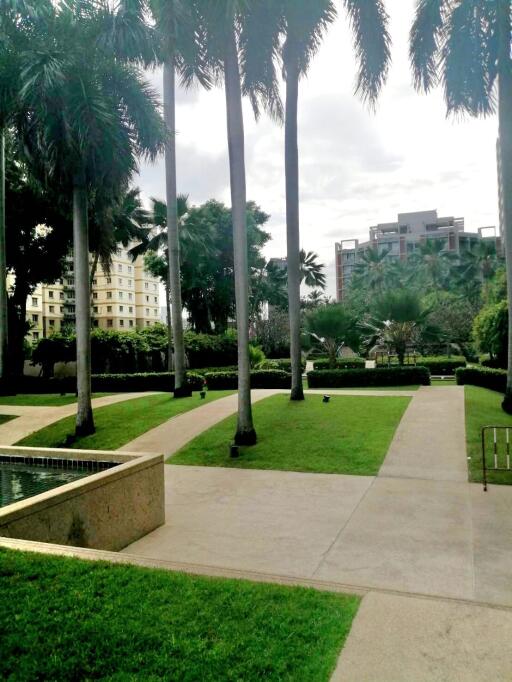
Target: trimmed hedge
[
  {"x": 109, "y": 383},
  {"x": 341, "y": 363},
  {"x": 260, "y": 378},
  {"x": 494, "y": 363},
  {"x": 284, "y": 364},
  {"x": 442, "y": 365},
  {"x": 387, "y": 376},
  {"x": 494, "y": 379}
]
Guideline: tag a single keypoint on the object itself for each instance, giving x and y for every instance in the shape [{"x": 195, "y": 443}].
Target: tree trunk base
[
  {"x": 246, "y": 437},
  {"x": 297, "y": 393},
  {"x": 183, "y": 392},
  {"x": 85, "y": 429},
  {"x": 7, "y": 387},
  {"x": 506, "y": 404}
]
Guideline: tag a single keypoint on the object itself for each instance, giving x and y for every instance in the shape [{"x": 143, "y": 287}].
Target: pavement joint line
[
  {"x": 205, "y": 570},
  {"x": 327, "y": 551}
]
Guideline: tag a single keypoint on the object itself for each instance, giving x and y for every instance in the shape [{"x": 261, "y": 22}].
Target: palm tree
[
  {"x": 20, "y": 20},
  {"x": 333, "y": 327},
  {"x": 372, "y": 267},
  {"x": 311, "y": 271},
  {"x": 466, "y": 46},
  {"x": 97, "y": 116},
  {"x": 303, "y": 26},
  {"x": 432, "y": 257}
]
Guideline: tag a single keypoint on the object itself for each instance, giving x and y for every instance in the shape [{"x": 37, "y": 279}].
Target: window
[
  {"x": 146, "y": 285},
  {"x": 71, "y": 282},
  {"x": 50, "y": 294},
  {"x": 95, "y": 323},
  {"x": 35, "y": 335},
  {"x": 121, "y": 294},
  {"x": 154, "y": 287},
  {"x": 147, "y": 299},
  {"x": 131, "y": 323},
  {"x": 109, "y": 309},
  {"x": 130, "y": 297},
  {"x": 156, "y": 312},
  {"x": 52, "y": 308},
  {"x": 130, "y": 309},
  {"x": 94, "y": 282},
  {"x": 130, "y": 269},
  {"x": 95, "y": 295},
  {"x": 110, "y": 323},
  {"x": 120, "y": 282},
  {"x": 34, "y": 301},
  {"x": 51, "y": 323},
  {"x": 156, "y": 299},
  {"x": 95, "y": 309},
  {"x": 148, "y": 324},
  {"x": 61, "y": 308},
  {"x": 109, "y": 294},
  {"x": 119, "y": 268},
  {"x": 121, "y": 323},
  {"x": 35, "y": 318},
  {"x": 147, "y": 312},
  {"x": 121, "y": 308},
  {"x": 109, "y": 280},
  {"x": 129, "y": 282},
  {"x": 61, "y": 295}
]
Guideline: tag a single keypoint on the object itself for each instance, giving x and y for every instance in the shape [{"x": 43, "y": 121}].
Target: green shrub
[
  {"x": 284, "y": 363},
  {"x": 260, "y": 378},
  {"x": 494, "y": 379},
  {"x": 341, "y": 363},
  {"x": 206, "y": 350},
  {"x": 256, "y": 356},
  {"x": 386, "y": 376},
  {"x": 438, "y": 364},
  {"x": 109, "y": 383},
  {"x": 494, "y": 363}
]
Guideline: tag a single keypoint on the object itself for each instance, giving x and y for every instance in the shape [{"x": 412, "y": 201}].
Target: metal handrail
[{"x": 496, "y": 454}]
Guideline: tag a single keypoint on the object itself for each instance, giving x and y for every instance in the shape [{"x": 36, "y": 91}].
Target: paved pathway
[
  {"x": 33, "y": 418},
  {"x": 433, "y": 552}
]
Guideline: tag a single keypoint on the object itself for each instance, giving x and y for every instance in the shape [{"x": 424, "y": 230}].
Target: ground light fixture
[
  {"x": 234, "y": 452},
  {"x": 202, "y": 395},
  {"x": 326, "y": 398}
]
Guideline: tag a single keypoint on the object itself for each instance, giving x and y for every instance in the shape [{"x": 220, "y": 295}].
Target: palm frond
[{"x": 426, "y": 39}]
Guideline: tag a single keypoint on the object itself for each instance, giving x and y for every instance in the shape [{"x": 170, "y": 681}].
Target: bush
[
  {"x": 284, "y": 363},
  {"x": 490, "y": 331},
  {"x": 206, "y": 350},
  {"x": 109, "y": 383},
  {"x": 442, "y": 365},
  {"x": 494, "y": 363},
  {"x": 388, "y": 376},
  {"x": 341, "y": 363},
  {"x": 260, "y": 378},
  {"x": 494, "y": 379}
]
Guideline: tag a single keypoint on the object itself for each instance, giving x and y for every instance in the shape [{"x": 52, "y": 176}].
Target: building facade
[
  {"x": 400, "y": 239},
  {"x": 124, "y": 299}
]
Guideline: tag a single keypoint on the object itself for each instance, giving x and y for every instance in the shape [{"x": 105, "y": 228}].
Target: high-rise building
[
  {"x": 126, "y": 298},
  {"x": 400, "y": 239}
]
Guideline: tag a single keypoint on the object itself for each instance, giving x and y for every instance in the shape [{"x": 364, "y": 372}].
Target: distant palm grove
[{"x": 77, "y": 115}]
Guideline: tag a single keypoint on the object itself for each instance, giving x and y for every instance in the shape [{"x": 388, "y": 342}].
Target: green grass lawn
[
  {"x": 6, "y": 418},
  {"x": 483, "y": 408},
  {"x": 118, "y": 424},
  {"x": 43, "y": 399},
  {"x": 65, "y": 619},
  {"x": 349, "y": 435},
  {"x": 443, "y": 382},
  {"x": 371, "y": 388}
]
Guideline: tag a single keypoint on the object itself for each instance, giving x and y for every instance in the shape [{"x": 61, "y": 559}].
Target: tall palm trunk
[
  {"x": 292, "y": 221},
  {"x": 181, "y": 389},
  {"x": 84, "y": 417},
  {"x": 170, "y": 365},
  {"x": 3, "y": 269},
  {"x": 245, "y": 433},
  {"x": 505, "y": 169}
]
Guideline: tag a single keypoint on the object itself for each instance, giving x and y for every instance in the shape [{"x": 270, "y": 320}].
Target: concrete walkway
[{"x": 33, "y": 418}]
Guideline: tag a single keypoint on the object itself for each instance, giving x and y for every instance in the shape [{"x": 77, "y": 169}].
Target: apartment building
[
  {"x": 400, "y": 239},
  {"x": 126, "y": 298}
]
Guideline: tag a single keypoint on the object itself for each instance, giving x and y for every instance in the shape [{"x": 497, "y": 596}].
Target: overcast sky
[{"x": 357, "y": 168}]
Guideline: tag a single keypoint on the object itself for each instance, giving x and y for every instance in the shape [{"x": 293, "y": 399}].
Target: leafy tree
[
  {"x": 490, "y": 331},
  {"x": 273, "y": 335},
  {"x": 434, "y": 261},
  {"x": 453, "y": 315},
  {"x": 332, "y": 327},
  {"x": 466, "y": 46},
  {"x": 80, "y": 84},
  {"x": 38, "y": 239}
]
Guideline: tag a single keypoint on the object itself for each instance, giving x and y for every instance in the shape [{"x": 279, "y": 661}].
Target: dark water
[{"x": 18, "y": 481}]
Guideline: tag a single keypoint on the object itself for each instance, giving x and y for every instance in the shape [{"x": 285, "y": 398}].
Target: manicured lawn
[
  {"x": 483, "y": 408},
  {"x": 373, "y": 388},
  {"x": 349, "y": 435},
  {"x": 43, "y": 399},
  {"x": 6, "y": 418},
  {"x": 443, "y": 382},
  {"x": 65, "y": 619},
  {"x": 118, "y": 424}
]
